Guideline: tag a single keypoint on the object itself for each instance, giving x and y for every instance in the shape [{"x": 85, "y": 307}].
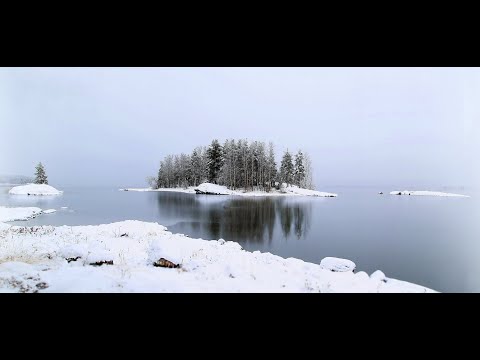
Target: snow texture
[
  {"x": 425, "y": 193},
  {"x": 49, "y": 211},
  {"x": 58, "y": 259},
  {"x": 34, "y": 189}
]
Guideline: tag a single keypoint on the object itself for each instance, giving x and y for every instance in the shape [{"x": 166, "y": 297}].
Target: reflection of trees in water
[
  {"x": 296, "y": 213},
  {"x": 237, "y": 219},
  {"x": 249, "y": 219},
  {"x": 172, "y": 204}
]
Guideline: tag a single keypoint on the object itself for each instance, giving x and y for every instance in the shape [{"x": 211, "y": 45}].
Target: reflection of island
[{"x": 237, "y": 219}]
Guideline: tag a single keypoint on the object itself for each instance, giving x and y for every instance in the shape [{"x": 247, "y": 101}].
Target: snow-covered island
[
  {"x": 213, "y": 189},
  {"x": 135, "y": 256},
  {"x": 34, "y": 189},
  {"x": 425, "y": 193}
]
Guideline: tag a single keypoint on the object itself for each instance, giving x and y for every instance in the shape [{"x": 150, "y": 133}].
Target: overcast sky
[{"x": 361, "y": 126}]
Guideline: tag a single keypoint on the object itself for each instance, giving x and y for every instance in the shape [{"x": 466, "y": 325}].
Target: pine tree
[
  {"x": 40, "y": 176},
  {"x": 299, "y": 170},
  {"x": 286, "y": 169},
  {"x": 215, "y": 161}
]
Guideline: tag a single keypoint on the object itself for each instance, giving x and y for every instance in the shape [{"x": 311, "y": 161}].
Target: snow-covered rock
[
  {"x": 378, "y": 275},
  {"x": 34, "y": 189},
  {"x": 337, "y": 264},
  {"x": 425, "y": 193},
  {"x": 213, "y": 189}
]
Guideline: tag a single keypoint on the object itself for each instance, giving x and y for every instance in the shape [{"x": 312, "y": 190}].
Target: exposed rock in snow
[
  {"x": 425, "y": 193},
  {"x": 34, "y": 189},
  {"x": 337, "y": 264}
]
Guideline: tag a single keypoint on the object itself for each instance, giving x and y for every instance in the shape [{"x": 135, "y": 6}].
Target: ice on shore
[
  {"x": 425, "y": 193},
  {"x": 18, "y": 213},
  {"x": 49, "y": 211}
]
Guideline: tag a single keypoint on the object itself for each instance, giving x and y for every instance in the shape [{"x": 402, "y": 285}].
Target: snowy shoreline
[
  {"x": 222, "y": 190},
  {"x": 124, "y": 257}
]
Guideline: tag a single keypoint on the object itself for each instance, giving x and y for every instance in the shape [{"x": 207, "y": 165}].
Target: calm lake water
[{"x": 431, "y": 241}]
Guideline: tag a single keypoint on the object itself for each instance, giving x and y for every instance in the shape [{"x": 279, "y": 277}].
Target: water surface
[{"x": 431, "y": 241}]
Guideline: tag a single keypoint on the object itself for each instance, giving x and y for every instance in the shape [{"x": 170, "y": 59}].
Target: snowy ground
[
  {"x": 65, "y": 259},
  {"x": 222, "y": 190},
  {"x": 425, "y": 193},
  {"x": 34, "y": 189}
]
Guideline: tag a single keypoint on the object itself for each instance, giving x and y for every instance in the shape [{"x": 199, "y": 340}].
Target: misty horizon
[{"x": 361, "y": 126}]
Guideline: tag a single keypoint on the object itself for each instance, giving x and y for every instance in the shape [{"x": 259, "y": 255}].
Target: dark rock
[
  {"x": 42, "y": 285},
  {"x": 200, "y": 192},
  {"x": 162, "y": 262},
  {"x": 72, "y": 259},
  {"x": 125, "y": 234},
  {"x": 100, "y": 263}
]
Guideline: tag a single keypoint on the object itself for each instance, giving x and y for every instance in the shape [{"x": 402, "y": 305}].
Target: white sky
[{"x": 361, "y": 126}]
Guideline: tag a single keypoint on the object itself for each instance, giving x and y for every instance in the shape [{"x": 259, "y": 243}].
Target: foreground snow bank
[
  {"x": 120, "y": 257},
  {"x": 34, "y": 189},
  {"x": 425, "y": 193}
]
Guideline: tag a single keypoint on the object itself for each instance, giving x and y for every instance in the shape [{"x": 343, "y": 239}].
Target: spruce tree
[
  {"x": 286, "y": 169},
  {"x": 299, "y": 169},
  {"x": 215, "y": 161},
  {"x": 40, "y": 176}
]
